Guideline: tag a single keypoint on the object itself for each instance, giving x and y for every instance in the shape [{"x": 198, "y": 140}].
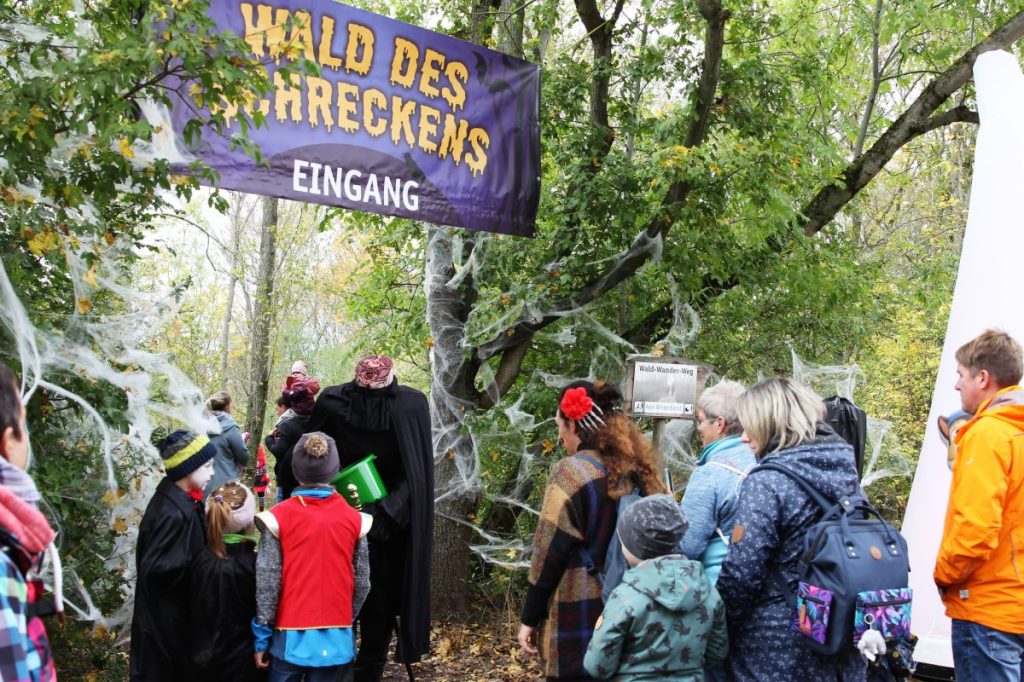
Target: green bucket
[{"x": 363, "y": 475}]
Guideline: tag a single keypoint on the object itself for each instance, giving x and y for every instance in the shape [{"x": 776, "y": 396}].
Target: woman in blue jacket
[{"x": 711, "y": 496}]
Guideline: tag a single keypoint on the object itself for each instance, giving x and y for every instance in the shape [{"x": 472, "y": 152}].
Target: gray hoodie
[{"x": 231, "y": 452}]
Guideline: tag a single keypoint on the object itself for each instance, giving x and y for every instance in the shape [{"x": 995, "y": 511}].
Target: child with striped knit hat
[{"x": 171, "y": 534}]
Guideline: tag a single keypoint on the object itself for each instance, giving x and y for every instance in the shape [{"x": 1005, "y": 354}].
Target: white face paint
[{"x": 198, "y": 479}]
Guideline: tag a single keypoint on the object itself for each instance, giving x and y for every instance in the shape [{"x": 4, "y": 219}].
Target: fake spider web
[{"x": 514, "y": 431}]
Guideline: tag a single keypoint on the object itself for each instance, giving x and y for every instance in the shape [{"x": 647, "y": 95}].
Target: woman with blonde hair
[
  {"x": 783, "y": 424},
  {"x": 608, "y": 457}
]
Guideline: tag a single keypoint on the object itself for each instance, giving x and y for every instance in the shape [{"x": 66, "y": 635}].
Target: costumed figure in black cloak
[
  {"x": 171, "y": 534},
  {"x": 375, "y": 415}
]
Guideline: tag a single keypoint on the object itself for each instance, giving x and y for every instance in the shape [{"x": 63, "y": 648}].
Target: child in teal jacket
[{"x": 664, "y": 621}]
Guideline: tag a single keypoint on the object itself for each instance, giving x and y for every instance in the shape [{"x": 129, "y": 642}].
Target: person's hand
[
  {"x": 246, "y": 436},
  {"x": 528, "y": 639},
  {"x": 262, "y": 660}
]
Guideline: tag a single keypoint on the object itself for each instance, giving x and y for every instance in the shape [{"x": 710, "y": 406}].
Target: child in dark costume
[
  {"x": 170, "y": 536},
  {"x": 222, "y": 590}
]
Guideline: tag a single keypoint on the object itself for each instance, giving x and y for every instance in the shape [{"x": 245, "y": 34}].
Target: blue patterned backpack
[{"x": 853, "y": 574}]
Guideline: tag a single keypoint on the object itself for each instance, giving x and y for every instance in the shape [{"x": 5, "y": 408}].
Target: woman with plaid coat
[{"x": 608, "y": 456}]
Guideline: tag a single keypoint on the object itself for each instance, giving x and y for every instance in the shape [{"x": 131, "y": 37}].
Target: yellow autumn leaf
[
  {"x": 125, "y": 148},
  {"x": 42, "y": 242},
  {"x": 83, "y": 306},
  {"x": 119, "y": 525},
  {"x": 495, "y": 455},
  {"x": 547, "y": 446},
  {"x": 90, "y": 277},
  {"x": 111, "y": 497}
]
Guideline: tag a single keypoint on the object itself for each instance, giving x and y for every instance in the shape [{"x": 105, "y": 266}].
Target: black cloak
[
  {"x": 280, "y": 444},
  {"x": 222, "y": 604},
  {"x": 171, "y": 534},
  {"x": 365, "y": 421}
]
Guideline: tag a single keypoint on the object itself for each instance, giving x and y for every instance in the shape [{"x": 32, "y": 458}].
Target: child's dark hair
[
  {"x": 223, "y": 500},
  {"x": 282, "y": 401},
  {"x": 10, "y": 402}
]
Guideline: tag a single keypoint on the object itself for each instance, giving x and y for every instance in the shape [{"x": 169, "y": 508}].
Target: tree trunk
[
  {"x": 263, "y": 315},
  {"x": 457, "y": 483},
  {"x": 235, "y": 256}
]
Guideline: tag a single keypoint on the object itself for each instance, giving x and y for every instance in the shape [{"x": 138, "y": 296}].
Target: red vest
[{"x": 318, "y": 538}]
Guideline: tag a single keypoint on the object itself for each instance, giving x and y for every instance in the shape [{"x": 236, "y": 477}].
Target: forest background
[{"x": 753, "y": 185}]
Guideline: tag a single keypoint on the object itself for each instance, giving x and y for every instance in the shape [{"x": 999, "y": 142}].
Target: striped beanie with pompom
[
  {"x": 315, "y": 458},
  {"x": 183, "y": 452}
]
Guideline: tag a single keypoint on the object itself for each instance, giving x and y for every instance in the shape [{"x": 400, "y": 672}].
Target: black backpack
[
  {"x": 851, "y": 424},
  {"x": 853, "y": 574}
]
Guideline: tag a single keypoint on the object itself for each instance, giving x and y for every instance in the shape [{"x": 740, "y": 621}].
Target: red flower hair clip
[{"x": 580, "y": 407}]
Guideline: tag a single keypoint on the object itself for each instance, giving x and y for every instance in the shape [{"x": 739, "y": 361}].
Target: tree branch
[
  {"x": 960, "y": 114},
  {"x": 508, "y": 371},
  {"x": 648, "y": 242},
  {"x": 915, "y": 121}
]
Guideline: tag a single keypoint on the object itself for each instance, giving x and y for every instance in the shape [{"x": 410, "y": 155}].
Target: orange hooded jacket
[{"x": 980, "y": 566}]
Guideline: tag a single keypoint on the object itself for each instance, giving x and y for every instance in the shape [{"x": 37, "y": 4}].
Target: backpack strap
[
  {"x": 826, "y": 506},
  {"x": 848, "y": 506},
  {"x": 740, "y": 474},
  {"x": 730, "y": 467},
  {"x": 588, "y": 559},
  {"x": 593, "y": 460}
]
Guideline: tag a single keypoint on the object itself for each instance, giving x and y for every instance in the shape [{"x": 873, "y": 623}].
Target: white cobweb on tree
[
  {"x": 515, "y": 432},
  {"x": 110, "y": 349},
  {"x": 99, "y": 348}
]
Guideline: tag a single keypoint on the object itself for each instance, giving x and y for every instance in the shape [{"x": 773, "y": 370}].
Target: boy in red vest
[{"x": 312, "y": 573}]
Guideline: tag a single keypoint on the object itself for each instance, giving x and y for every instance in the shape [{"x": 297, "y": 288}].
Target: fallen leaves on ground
[{"x": 471, "y": 652}]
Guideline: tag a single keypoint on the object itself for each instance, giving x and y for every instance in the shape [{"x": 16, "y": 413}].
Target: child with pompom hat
[{"x": 312, "y": 572}]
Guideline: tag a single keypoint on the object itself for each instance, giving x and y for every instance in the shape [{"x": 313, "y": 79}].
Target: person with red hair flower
[{"x": 608, "y": 457}]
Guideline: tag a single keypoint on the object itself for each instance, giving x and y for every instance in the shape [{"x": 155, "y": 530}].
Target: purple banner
[{"x": 401, "y": 121}]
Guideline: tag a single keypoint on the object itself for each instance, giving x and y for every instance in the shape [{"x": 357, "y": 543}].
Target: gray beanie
[
  {"x": 652, "y": 526},
  {"x": 315, "y": 458}
]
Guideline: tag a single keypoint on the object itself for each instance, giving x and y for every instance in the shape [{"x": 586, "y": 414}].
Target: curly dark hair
[{"x": 625, "y": 452}]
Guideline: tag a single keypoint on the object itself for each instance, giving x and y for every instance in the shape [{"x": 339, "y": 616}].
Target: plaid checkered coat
[{"x": 563, "y": 595}]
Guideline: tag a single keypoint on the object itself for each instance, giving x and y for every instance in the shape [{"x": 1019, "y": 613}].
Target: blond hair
[
  {"x": 223, "y": 500},
  {"x": 779, "y": 413},
  {"x": 218, "y": 401}
]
